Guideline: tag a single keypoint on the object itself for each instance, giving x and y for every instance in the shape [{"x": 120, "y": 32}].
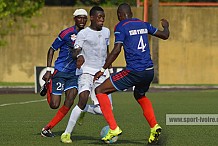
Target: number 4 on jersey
[{"x": 141, "y": 44}]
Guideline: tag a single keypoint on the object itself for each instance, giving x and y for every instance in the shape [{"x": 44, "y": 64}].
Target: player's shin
[
  {"x": 106, "y": 109},
  {"x": 148, "y": 111},
  {"x": 73, "y": 118},
  {"x": 58, "y": 117}
]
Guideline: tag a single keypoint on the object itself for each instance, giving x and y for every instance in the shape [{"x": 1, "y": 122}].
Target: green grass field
[{"x": 23, "y": 116}]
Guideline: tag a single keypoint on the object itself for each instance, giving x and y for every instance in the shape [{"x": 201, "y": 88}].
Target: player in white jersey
[
  {"x": 92, "y": 46},
  {"x": 94, "y": 53}
]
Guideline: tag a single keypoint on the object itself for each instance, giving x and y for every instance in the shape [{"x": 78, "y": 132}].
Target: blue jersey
[
  {"x": 65, "y": 42},
  {"x": 133, "y": 34}
]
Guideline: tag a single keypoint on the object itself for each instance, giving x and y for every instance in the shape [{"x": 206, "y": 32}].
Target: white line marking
[{"x": 26, "y": 102}]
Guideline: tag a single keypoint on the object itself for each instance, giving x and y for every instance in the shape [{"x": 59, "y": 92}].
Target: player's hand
[
  {"x": 164, "y": 23},
  {"x": 97, "y": 75},
  {"x": 80, "y": 61},
  {"x": 47, "y": 76}
]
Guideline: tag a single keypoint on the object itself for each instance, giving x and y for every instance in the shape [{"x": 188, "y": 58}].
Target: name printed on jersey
[{"x": 138, "y": 31}]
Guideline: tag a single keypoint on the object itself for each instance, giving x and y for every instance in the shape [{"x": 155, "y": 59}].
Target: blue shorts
[
  {"x": 126, "y": 79},
  {"x": 62, "y": 81}
]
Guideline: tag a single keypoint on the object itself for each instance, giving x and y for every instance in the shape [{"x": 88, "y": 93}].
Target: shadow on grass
[{"x": 92, "y": 140}]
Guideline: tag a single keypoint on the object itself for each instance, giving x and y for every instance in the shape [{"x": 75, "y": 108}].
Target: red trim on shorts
[
  {"x": 120, "y": 75},
  {"x": 54, "y": 72}
]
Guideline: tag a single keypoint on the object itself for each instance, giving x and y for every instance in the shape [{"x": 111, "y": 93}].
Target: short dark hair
[
  {"x": 94, "y": 10},
  {"x": 125, "y": 7}
]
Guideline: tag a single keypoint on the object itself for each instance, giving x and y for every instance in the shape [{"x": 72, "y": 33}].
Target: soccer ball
[{"x": 104, "y": 132}]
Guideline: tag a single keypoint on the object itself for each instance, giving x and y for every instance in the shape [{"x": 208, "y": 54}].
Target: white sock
[
  {"x": 73, "y": 118},
  {"x": 110, "y": 98}
]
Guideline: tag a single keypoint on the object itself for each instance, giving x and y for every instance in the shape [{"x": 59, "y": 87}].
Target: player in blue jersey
[
  {"x": 132, "y": 35},
  {"x": 64, "y": 78}
]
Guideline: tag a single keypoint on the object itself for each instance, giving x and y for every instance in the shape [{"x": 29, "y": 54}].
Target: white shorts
[{"x": 85, "y": 82}]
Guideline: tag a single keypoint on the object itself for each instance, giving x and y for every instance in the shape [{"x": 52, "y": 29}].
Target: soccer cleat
[
  {"x": 65, "y": 138},
  {"x": 112, "y": 133},
  {"x": 43, "y": 90},
  {"x": 47, "y": 133},
  {"x": 81, "y": 118},
  {"x": 155, "y": 133}
]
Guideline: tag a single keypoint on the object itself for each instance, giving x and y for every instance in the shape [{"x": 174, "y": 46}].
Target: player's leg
[
  {"x": 95, "y": 108},
  {"x": 97, "y": 83},
  {"x": 70, "y": 91},
  {"x": 54, "y": 101},
  {"x": 85, "y": 83},
  {"x": 70, "y": 96},
  {"x": 146, "y": 105},
  {"x": 90, "y": 108},
  {"x": 55, "y": 89},
  {"x": 47, "y": 88},
  {"x": 106, "y": 108},
  {"x": 46, "y": 131},
  {"x": 83, "y": 98}
]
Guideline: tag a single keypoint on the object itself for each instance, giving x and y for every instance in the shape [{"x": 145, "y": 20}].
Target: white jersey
[{"x": 94, "y": 48}]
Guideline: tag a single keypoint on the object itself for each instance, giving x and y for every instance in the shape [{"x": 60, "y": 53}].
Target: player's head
[
  {"x": 97, "y": 17},
  {"x": 80, "y": 18},
  {"x": 124, "y": 12}
]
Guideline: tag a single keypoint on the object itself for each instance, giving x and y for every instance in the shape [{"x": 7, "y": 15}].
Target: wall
[
  {"x": 190, "y": 54},
  {"x": 188, "y": 57}
]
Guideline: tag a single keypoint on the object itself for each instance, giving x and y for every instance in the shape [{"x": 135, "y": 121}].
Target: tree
[{"x": 13, "y": 11}]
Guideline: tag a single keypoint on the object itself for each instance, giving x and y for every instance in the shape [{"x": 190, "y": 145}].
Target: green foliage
[
  {"x": 105, "y": 2},
  {"x": 117, "y": 2},
  {"x": 13, "y": 10},
  {"x": 188, "y": 0},
  {"x": 60, "y": 2},
  {"x": 109, "y": 3}
]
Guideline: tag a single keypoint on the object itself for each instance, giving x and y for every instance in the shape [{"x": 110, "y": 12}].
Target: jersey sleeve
[
  {"x": 119, "y": 34},
  {"x": 108, "y": 41},
  {"x": 79, "y": 40},
  {"x": 58, "y": 42},
  {"x": 151, "y": 29},
  {"x": 65, "y": 37}
]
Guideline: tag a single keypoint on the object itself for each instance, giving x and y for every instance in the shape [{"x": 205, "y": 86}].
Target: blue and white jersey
[
  {"x": 65, "y": 42},
  {"x": 133, "y": 34}
]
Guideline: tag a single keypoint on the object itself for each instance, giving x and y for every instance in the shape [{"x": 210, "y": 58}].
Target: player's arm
[
  {"x": 110, "y": 69},
  {"x": 77, "y": 55},
  {"x": 164, "y": 34},
  {"x": 110, "y": 59},
  {"x": 76, "y": 52},
  {"x": 113, "y": 55},
  {"x": 50, "y": 55}
]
